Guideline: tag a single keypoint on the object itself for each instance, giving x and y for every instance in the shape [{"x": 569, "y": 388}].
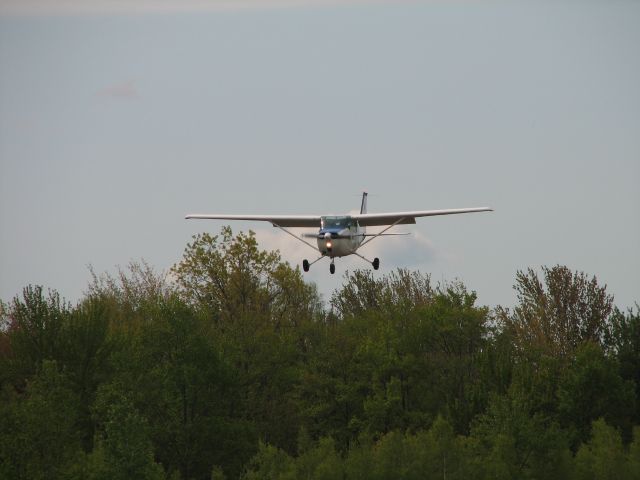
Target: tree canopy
[{"x": 230, "y": 366}]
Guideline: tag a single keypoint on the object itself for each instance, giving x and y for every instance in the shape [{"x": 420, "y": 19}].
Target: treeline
[{"x": 231, "y": 367}]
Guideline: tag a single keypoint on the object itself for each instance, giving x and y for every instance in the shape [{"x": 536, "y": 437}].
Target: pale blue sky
[{"x": 117, "y": 119}]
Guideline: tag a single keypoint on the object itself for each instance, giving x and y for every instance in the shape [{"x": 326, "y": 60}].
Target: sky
[{"x": 119, "y": 117}]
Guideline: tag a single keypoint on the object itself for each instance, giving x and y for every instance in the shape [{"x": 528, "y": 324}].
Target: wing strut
[
  {"x": 295, "y": 236},
  {"x": 380, "y": 233}
]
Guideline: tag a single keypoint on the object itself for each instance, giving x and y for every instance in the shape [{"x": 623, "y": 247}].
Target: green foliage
[
  {"x": 217, "y": 473},
  {"x": 173, "y": 372},
  {"x": 131, "y": 289},
  {"x": 270, "y": 463},
  {"x": 230, "y": 368},
  {"x": 259, "y": 308},
  {"x": 554, "y": 317},
  {"x": 517, "y": 442},
  {"x": 591, "y": 388},
  {"x": 401, "y": 291},
  {"x": 39, "y": 438},
  {"x": 624, "y": 344},
  {"x": 602, "y": 458},
  {"x": 230, "y": 276},
  {"x": 123, "y": 449},
  {"x": 85, "y": 352},
  {"x": 33, "y": 326},
  {"x": 634, "y": 454}
]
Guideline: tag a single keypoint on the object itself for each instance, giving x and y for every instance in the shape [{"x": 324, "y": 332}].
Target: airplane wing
[
  {"x": 398, "y": 218},
  {"x": 275, "y": 220}
]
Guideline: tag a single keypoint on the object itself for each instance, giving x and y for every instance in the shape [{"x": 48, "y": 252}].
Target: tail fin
[{"x": 363, "y": 207}]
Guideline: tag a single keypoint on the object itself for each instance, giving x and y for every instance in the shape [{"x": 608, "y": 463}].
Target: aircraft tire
[
  {"x": 332, "y": 268},
  {"x": 376, "y": 263},
  {"x": 305, "y": 265}
]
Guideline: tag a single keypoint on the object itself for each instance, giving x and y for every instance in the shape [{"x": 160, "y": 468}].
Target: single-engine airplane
[{"x": 342, "y": 235}]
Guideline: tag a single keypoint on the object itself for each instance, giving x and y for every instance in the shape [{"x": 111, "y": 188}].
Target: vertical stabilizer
[{"x": 363, "y": 207}]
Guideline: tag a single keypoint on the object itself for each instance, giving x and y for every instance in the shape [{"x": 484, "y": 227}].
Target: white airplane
[{"x": 342, "y": 235}]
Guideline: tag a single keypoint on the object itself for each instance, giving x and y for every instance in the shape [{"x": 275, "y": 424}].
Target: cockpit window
[{"x": 333, "y": 222}]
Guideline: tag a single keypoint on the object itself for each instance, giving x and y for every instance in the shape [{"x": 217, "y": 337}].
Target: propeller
[
  {"x": 327, "y": 236},
  {"x": 335, "y": 236}
]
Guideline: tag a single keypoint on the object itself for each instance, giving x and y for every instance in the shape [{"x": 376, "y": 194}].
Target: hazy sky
[{"x": 119, "y": 117}]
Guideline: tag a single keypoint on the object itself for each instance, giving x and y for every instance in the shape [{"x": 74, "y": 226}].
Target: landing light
[{"x": 328, "y": 243}]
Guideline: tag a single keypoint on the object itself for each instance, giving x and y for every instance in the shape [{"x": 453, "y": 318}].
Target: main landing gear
[{"x": 332, "y": 266}]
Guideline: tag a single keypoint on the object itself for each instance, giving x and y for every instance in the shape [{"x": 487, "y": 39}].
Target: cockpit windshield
[{"x": 336, "y": 222}]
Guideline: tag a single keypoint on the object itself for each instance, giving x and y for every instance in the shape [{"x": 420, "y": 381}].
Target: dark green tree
[
  {"x": 39, "y": 436},
  {"x": 123, "y": 449},
  {"x": 86, "y": 347},
  {"x": 517, "y": 442},
  {"x": 173, "y": 372},
  {"x": 259, "y": 308},
  {"x": 590, "y": 388},
  {"x": 624, "y": 344}
]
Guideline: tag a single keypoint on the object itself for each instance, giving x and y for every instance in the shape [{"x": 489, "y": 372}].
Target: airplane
[{"x": 341, "y": 235}]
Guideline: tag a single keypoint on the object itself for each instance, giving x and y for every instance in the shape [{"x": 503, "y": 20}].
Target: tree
[
  {"x": 173, "y": 373},
  {"x": 258, "y": 307},
  {"x": 517, "y": 442},
  {"x": 556, "y": 314},
  {"x": 602, "y": 457},
  {"x": 634, "y": 454},
  {"x": 123, "y": 449},
  {"x": 270, "y": 463},
  {"x": 321, "y": 462},
  {"x": 401, "y": 291},
  {"x": 437, "y": 453},
  {"x": 624, "y": 344},
  {"x": 39, "y": 438},
  {"x": 230, "y": 277},
  {"x": 85, "y": 353},
  {"x": 590, "y": 388},
  {"x": 451, "y": 333},
  {"x": 33, "y": 325}
]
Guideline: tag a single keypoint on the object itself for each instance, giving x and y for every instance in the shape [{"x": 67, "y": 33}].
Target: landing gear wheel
[
  {"x": 376, "y": 263},
  {"x": 332, "y": 268},
  {"x": 305, "y": 265}
]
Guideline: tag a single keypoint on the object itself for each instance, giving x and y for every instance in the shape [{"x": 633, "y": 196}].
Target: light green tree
[
  {"x": 634, "y": 454},
  {"x": 33, "y": 326},
  {"x": 270, "y": 463},
  {"x": 603, "y": 456}
]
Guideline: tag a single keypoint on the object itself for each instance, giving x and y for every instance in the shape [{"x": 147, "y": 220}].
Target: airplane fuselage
[{"x": 339, "y": 236}]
